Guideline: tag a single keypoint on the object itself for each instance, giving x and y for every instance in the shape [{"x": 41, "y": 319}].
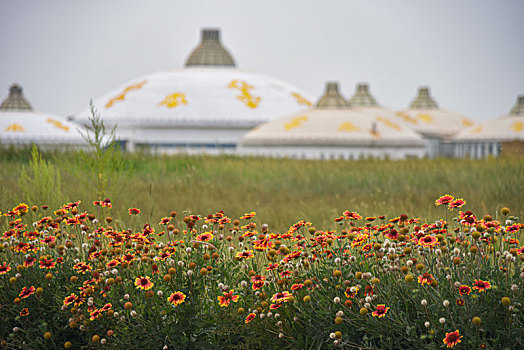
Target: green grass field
[{"x": 280, "y": 191}]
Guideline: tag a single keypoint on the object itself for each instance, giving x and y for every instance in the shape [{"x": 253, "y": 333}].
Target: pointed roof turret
[
  {"x": 518, "y": 107},
  {"x": 210, "y": 51},
  {"x": 423, "y": 100},
  {"x": 331, "y": 97},
  {"x": 15, "y": 100},
  {"x": 362, "y": 97}
]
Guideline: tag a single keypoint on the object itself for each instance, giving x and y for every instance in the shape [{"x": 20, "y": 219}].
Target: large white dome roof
[{"x": 199, "y": 96}]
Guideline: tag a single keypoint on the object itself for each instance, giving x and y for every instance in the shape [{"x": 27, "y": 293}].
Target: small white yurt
[
  {"x": 333, "y": 130},
  {"x": 21, "y": 126},
  {"x": 503, "y": 135},
  {"x": 435, "y": 125},
  {"x": 204, "y": 107}
]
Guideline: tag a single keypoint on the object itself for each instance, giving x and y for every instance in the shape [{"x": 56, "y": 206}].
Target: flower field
[{"x": 75, "y": 277}]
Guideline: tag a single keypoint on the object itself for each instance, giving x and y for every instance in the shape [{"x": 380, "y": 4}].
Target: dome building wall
[
  {"x": 21, "y": 126},
  {"x": 204, "y": 107},
  {"x": 333, "y": 130}
]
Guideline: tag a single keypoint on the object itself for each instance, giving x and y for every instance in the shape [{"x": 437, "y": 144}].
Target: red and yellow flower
[
  {"x": 4, "y": 268},
  {"x": 452, "y": 339},
  {"x": 381, "y": 311},
  {"x": 250, "y": 317},
  {"x": 26, "y": 292},
  {"x": 246, "y": 254},
  {"x": 281, "y": 297},
  {"x": 177, "y": 298},
  {"x": 134, "y": 211},
  {"x": 143, "y": 283},
  {"x": 426, "y": 278},
  {"x": 227, "y": 298},
  {"x": 481, "y": 285},
  {"x": 464, "y": 290},
  {"x": 444, "y": 200}
]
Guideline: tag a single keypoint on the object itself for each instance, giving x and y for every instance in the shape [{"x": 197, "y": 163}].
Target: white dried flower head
[
  {"x": 510, "y": 308},
  {"x": 332, "y": 335},
  {"x": 409, "y": 263},
  {"x": 336, "y": 342},
  {"x": 188, "y": 250},
  {"x": 340, "y": 313},
  {"x": 438, "y": 252},
  {"x": 116, "y": 314},
  {"x": 457, "y": 284},
  {"x": 262, "y": 315},
  {"x": 90, "y": 302},
  {"x": 190, "y": 273},
  {"x": 123, "y": 318},
  {"x": 243, "y": 284},
  {"x": 180, "y": 263},
  {"x": 424, "y": 302},
  {"x": 391, "y": 250},
  {"x": 445, "y": 303},
  {"x": 231, "y": 249},
  {"x": 336, "y": 300},
  {"x": 295, "y": 318},
  {"x": 279, "y": 323},
  {"x": 114, "y": 271},
  {"x": 126, "y": 296},
  {"x": 64, "y": 307},
  {"x": 514, "y": 287},
  {"x": 76, "y": 261},
  {"x": 160, "y": 293},
  {"x": 277, "y": 315},
  {"x": 337, "y": 260},
  {"x": 103, "y": 341},
  {"x": 281, "y": 335},
  {"x": 456, "y": 251},
  {"x": 85, "y": 246},
  {"x": 18, "y": 275},
  {"x": 269, "y": 314},
  {"x": 448, "y": 277},
  {"x": 368, "y": 299},
  {"x": 165, "y": 347},
  {"x": 107, "y": 273},
  {"x": 426, "y": 324},
  {"x": 82, "y": 327},
  {"x": 204, "y": 227},
  {"x": 367, "y": 305},
  {"x": 442, "y": 320}
]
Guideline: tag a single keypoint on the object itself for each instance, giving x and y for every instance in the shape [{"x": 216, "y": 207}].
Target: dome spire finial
[
  {"x": 423, "y": 100},
  {"x": 362, "y": 97},
  {"x": 331, "y": 97},
  {"x": 518, "y": 107},
  {"x": 210, "y": 51},
  {"x": 15, "y": 100}
]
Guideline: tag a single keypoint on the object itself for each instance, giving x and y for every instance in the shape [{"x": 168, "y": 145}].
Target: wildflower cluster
[{"x": 70, "y": 278}]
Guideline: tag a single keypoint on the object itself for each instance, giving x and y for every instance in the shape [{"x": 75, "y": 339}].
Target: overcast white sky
[{"x": 470, "y": 52}]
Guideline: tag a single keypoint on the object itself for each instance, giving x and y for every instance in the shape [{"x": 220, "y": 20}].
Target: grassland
[{"x": 280, "y": 191}]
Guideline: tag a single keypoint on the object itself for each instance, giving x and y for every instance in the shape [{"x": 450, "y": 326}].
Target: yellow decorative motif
[
  {"x": 57, "y": 124},
  {"x": 295, "y": 123},
  {"x": 15, "y": 128},
  {"x": 301, "y": 100},
  {"x": 122, "y": 96},
  {"x": 407, "y": 117},
  {"x": 466, "y": 123},
  {"x": 476, "y": 130},
  {"x": 245, "y": 96},
  {"x": 517, "y": 126},
  {"x": 348, "y": 127},
  {"x": 388, "y": 123},
  {"x": 174, "y": 100},
  {"x": 426, "y": 118}
]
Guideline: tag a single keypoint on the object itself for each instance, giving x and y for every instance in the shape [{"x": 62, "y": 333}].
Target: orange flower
[
  {"x": 464, "y": 290},
  {"x": 26, "y": 292},
  {"x": 227, "y": 298},
  {"x": 452, "y": 339},
  {"x": 205, "y": 237},
  {"x": 428, "y": 241},
  {"x": 258, "y": 281},
  {"x": 246, "y": 254},
  {"x": 281, "y": 297},
  {"x": 457, "y": 203},
  {"x": 481, "y": 285},
  {"x": 381, "y": 311},
  {"x": 134, "y": 211},
  {"x": 143, "y": 283},
  {"x": 24, "y": 312},
  {"x": 351, "y": 215},
  {"x": 177, "y": 298},
  {"x": 426, "y": 278},
  {"x": 250, "y": 317},
  {"x": 444, "y": 200},
  {"x": 4, "y": 268}
]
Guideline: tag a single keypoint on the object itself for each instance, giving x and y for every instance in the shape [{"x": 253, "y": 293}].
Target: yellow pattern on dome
[
  {"x": 295, "y": 122},
  {"x": 301, "y": 100},
  {"x": 426, "y": 118},
  {"x": 174, "y": 100},
  {"x": 517, "y": 126},
  {"x": 466, "y": 123},
  {"x": 245, "y": 95},
  {"x": 15, "y": 128},
  {"x": 388, "y": 123},
  {"x": 476, "y": 130},
  {"x": 57, "y": 124},
  {"x": 122, "y": 96},
  {"x": 348, "y": 127},
  {"x": 407, "y": 117}
]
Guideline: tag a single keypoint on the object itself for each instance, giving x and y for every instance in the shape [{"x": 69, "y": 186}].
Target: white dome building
[
  {"x": 435, "y": 125},
  {"x": 204, "y": 107},
  {"x": 21, "y": 126},
  {"x": 332, "y": 130},
  {"x": 505, "y": 134}
]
